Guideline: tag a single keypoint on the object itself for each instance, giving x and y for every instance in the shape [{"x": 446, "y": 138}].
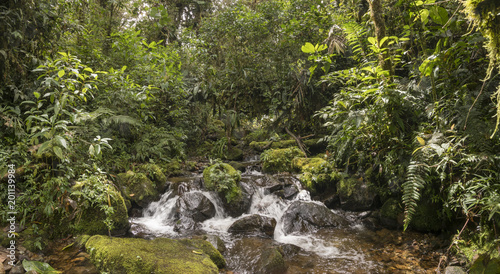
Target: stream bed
[{"x": 347, "y": 248}]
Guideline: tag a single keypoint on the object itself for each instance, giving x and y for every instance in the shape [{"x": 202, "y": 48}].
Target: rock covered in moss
[
  {"x": 90, "y": 219},
  {"x": 155, "y": 174},
  {"x": 317, "y": 174},
  {"x": 234, "y": 154},
  {"x": 356, "y": 194},
  {"x": 391, "y": 213},
  {"x": 160, "y": 255},
  {"x": 280, "y": 160},
  {"x": 138, "y": 188},
  {"x": 224, "y": 179}
]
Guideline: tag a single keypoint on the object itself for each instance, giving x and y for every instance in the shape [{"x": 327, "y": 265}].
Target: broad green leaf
[
  {"x": 320, "y": 47},
  {"x": 308, "y": 48},
  {"x": 382, "y": 41},
  {"x": 91, "y": 150},
  {"x": 39, "y": 267},
  {"x": 59, "y": 153},
  {"x": 43, "y": 147},
  {"x": 61, "y": 73},
  {"x": 37, "y": 95},
  {"x": 424, "y": 16},
  {"x": 61, "y": 141}
]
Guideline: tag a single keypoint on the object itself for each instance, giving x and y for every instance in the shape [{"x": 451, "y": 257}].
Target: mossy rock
[
  {"x": 426, "y": 217},
  {"x": 356, "y": 194},
  {"x": 224, "y": 179},
  {"x": 91, "y": 218},
  {"x": 280, "y": 160},
  {"x": 258, "y": 135},
  {"x": 34, "y": 240},
  {"x": 234, "y": 154},
  {"x": 137, "y": 187},
  {"x": 391, "y": 213},
  {"x": 160, "y": 255},
  {"x": 317, "y": 174},
  {"x": 208, "y": 249},
  {"x": 153, "y": 172},
  {"x": 485, "y": 265}
]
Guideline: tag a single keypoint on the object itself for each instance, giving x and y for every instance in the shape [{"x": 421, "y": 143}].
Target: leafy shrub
[{"x": 279, "y": 160}]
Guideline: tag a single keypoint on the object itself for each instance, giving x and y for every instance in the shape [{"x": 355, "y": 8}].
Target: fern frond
[
  {"x": 416, "y": 177},
  {"x": 121, "y": 119}
]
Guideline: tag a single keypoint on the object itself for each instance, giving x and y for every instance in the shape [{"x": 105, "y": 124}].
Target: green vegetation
[
  {"x": 403, "y": 94},
  {"x": 224, "y": 179}
]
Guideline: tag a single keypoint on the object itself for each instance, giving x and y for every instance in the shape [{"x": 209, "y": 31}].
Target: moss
[
  {"x": 81, "y": 240},
  {"x": 316, "y": 173},
  {"x": 224, "y": 179},
  {"x": 279, "y": 160},
  {"x": 347, "y": 186},
  {"x": 271, "y": 261},
  {"x": 90, "y": 219},
  {"x": 234, "y": 154},
  {"x": 258, "y": 135},
  {"x": 391, "y": 209},
  {"x": 208, "y": 249},
  {"x": 172, "y": 168},
  {"x": 137, "y": 187},
  {"x": 160, "y": 255},
  {"x": 153, "y": 172},
  {"x": 35, "y": 239}
]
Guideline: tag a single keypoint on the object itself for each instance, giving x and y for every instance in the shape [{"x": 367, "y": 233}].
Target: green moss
[
  {"x": 224, "y": 179},
  {"x": 208, "y": 249},
  {"x": 137, "y": 187},
  {"x": 90, "y": 219},
  {"x": 280, "y": 160},
  {"x": 271, "y": 261},
  {"x": 234, "y": 154},
  {"x": 172, "y": 168},
  {"x": 153, "y": 172},
  {"x": 160, "y": 255},
  {"x": 347, "y": 186},
  {"x": 259, "y": 135},
  {"x": 34, "y": 239},
  {"x": 391, "y": 209}
]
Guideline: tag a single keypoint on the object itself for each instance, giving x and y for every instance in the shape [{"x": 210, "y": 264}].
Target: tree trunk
[{"x": 377, "y": 15}]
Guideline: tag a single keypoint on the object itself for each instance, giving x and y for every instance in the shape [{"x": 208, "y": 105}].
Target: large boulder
[
  {"x": 356, "y": 194},
  {"x": 160, "y": 255},
  {"x": 282, "y": 186},
  {"x": 391, "y": 214},
  {"x": 271, "y": 261},
  {"x": 304, "y": 217},
  {"x": 138, "y": 188},
  {"x": 255, "y": 225},
  {"x": 279, "y": 160},
  {"x": 92, "y": 196},
  {"x": 192, "y": 208}
]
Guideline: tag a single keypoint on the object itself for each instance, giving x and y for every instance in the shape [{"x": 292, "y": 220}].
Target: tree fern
[{"x": 416, "y": 177}]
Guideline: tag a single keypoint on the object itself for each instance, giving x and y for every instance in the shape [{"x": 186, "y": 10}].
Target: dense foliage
[{"x": 403, "y": 92}]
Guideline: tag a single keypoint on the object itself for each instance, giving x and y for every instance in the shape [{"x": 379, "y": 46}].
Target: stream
[{"x": 351, "y": 248}]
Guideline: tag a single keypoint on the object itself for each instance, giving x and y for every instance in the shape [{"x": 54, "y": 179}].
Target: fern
[{"x": 414, "y": 182}]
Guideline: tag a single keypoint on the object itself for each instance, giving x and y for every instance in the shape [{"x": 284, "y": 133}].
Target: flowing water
[{"x": 352, "y": 249}]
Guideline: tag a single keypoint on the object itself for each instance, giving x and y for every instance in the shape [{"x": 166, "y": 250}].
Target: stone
[
  {"x": 138, "y": 188},
  {"x": 356, "y": 194},
  {"x": 160, "y": 255},
  {"x": 304, "y": 217},
  {"x": 196, "y": 206},
  {"x": 279, "y": 160},
  {"x": 255, "y": 225},
  {"x": 271, "y": 262},
  {"x": 454, "y": 270}
]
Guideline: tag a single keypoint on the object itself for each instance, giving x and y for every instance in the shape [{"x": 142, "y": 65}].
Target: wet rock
[
  {"x": 332, "y": 201},
  {"x": 155, "y": 174},
  {"x": 195, "y": 206},
  {"x": 254, "y": 224},
  {"x": 454, "y": 270},
  {"x": 240, "y": 206},
  {"x": 271, "y": 262},
  {"x": 303, "y": 216},
  {"x": 289, "y": 250},
  {"x": 356, "y": 194}
]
